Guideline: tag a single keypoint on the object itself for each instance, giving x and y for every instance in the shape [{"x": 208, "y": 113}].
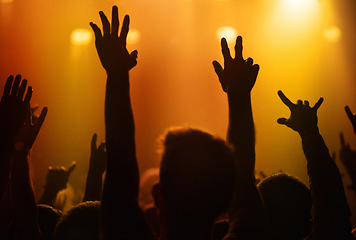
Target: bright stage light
[
  {"x": 332, "y": 34},
  {"x": 133, "y": 37},
  {"x": 229, "y": 33},
  {"x": 81, "y": 36},
  {"x": 299, "y": 5},
  {"x": 299, "y": 8}
]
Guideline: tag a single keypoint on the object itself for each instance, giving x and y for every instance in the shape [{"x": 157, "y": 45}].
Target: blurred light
[
  {"x": 229, "y": 33},
  {"x": 332, "y": 34},
  {"x": 133, "y": 37},
  {"x": 6, "y": 1},
  {"x": 299, "y": 5},
  {"x": 299, "y": 8},
  {"x": 81, "y": 36}
]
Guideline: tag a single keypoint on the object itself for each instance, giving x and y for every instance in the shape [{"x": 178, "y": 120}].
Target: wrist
[
  {"x": 21, "y": 148},
  {"x": 309, "y": 132}
]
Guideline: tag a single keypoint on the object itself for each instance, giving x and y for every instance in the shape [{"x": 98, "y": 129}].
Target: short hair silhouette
[
  {"x": 79, "y": 222},
  {"x": 288, "y": 203},
  {"x": 48, "y": 218},
  {"x": 197, "y": 173}
]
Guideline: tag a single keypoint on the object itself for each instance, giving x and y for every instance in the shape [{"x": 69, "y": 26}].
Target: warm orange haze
[{"x": 304, "y": 47}]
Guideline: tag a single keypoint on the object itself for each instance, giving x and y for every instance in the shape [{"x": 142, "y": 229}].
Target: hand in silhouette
[
  {"x": 30, "y": 130},
  {"x": 98, "y": 156},
  {"x": 303, "y": 118},
  {"x": 352, "y": 117},
  {"x": 57, "y": 177},
  {"x": 238, "y": 75},
  {"x": 14, "y": 107},
  {"x": 111, "y": 47}
]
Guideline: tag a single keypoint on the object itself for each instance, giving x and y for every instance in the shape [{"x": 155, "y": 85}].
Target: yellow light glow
[
  {"x": 299, "y": 5},
  {"x": 299, "y": 8},
  {"x": 332, "y": 34},
  {"x": 133, "y": 37},
  {"x": 229, "y": 33},
  {"x": 81, "y": 36},
  {"x": 6, "y": 1}
]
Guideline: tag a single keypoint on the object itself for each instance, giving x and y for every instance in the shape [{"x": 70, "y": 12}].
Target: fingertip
[{"x": 281, "y": 121}]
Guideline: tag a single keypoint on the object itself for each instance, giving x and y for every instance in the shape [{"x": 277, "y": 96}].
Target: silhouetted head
[
  {"x": 288, "y": 203},
  {"x": 79, "y": 222},
  {"x": 197, "y": 176},
  {"x": 47, "y": 218}
]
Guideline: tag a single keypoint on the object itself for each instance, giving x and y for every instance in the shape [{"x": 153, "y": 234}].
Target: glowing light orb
[
  {"x": 229, "y": 33},
  {"x": 299, "y": 8},
  {"x": 133, "y": 37},
  {"x": 332, "y": 34},
  {"x": 81, "y": 36}
]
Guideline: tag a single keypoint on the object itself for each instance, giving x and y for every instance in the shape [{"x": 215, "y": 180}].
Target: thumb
[{"x": 282, "y": 121}]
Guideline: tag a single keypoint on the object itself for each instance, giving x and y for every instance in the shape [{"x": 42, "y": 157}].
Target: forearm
[
  {"x": 93, "y": 186},
  {"x": 25, "y": 208},
  {"x": 241, "y": 133},
  {"x": 246, "y": 201},
  {"x": 5, "y": 158},
  {"x": 330, "y": 209},
  {"x": 120, "y": 135}
]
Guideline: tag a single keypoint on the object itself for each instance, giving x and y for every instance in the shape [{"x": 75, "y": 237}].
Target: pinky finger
[{"x": 317, "y": 105}]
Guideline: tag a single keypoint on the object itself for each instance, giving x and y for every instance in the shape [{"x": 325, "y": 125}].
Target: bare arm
[
  {"x": 120, "y": 211},
  {"x": 237, "y": 79},
  {"x": 330, "y": 209}
]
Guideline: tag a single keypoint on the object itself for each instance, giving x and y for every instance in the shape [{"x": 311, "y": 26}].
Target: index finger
[
  {"x": 114, "y": 21},
  {"x": 225, "y": 50},
  {"x": 238, "y": 49},
  {"x": 317, "y": 105},
  {"x": 125, "y": 28},
  {"x": 284, "y": 99},
  {"x": 349, "y": 113}
]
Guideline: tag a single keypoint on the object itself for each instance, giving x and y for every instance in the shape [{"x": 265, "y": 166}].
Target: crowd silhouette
[{"x": 206, "y": 186}]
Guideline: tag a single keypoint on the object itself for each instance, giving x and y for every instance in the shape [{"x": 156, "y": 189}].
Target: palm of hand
[
  {"x": 111, "y": 47},
  {"x": 303, "y": 118},
  {"x": 238, "y": 75}
]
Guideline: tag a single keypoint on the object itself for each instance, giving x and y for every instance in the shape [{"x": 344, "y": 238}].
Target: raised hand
[
  {"x": 238, "y": 75},
  {"x": 352, "y": 117},
  {"x": 14, "y": 107},
  {"x": 97, "y": 166},
  {"x": 98, "y": 156},
  {"x": 111, "y": 48},
  {"x": 303, "y": 118},
  {"x": 30, "y": 130},
  {"x": 57, "y": 177}
]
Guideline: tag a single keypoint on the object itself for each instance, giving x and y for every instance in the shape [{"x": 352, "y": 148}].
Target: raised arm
[
  {"x": 23, "y": 197},
  {"x": 330, "y": 209},
  {"x": 120, "y": 211},
  {"x": 13, "y": 110},
  {"x": 237, "y": 79},
  {"x": 97, "y": 166}
]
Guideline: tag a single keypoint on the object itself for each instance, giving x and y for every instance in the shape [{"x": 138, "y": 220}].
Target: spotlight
[
  {"x": 229, "y": 33},
  {"x": 81, "y": 36},
  {"x": 133, "y": 37},
  {"x": 332, "y": 34}
]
